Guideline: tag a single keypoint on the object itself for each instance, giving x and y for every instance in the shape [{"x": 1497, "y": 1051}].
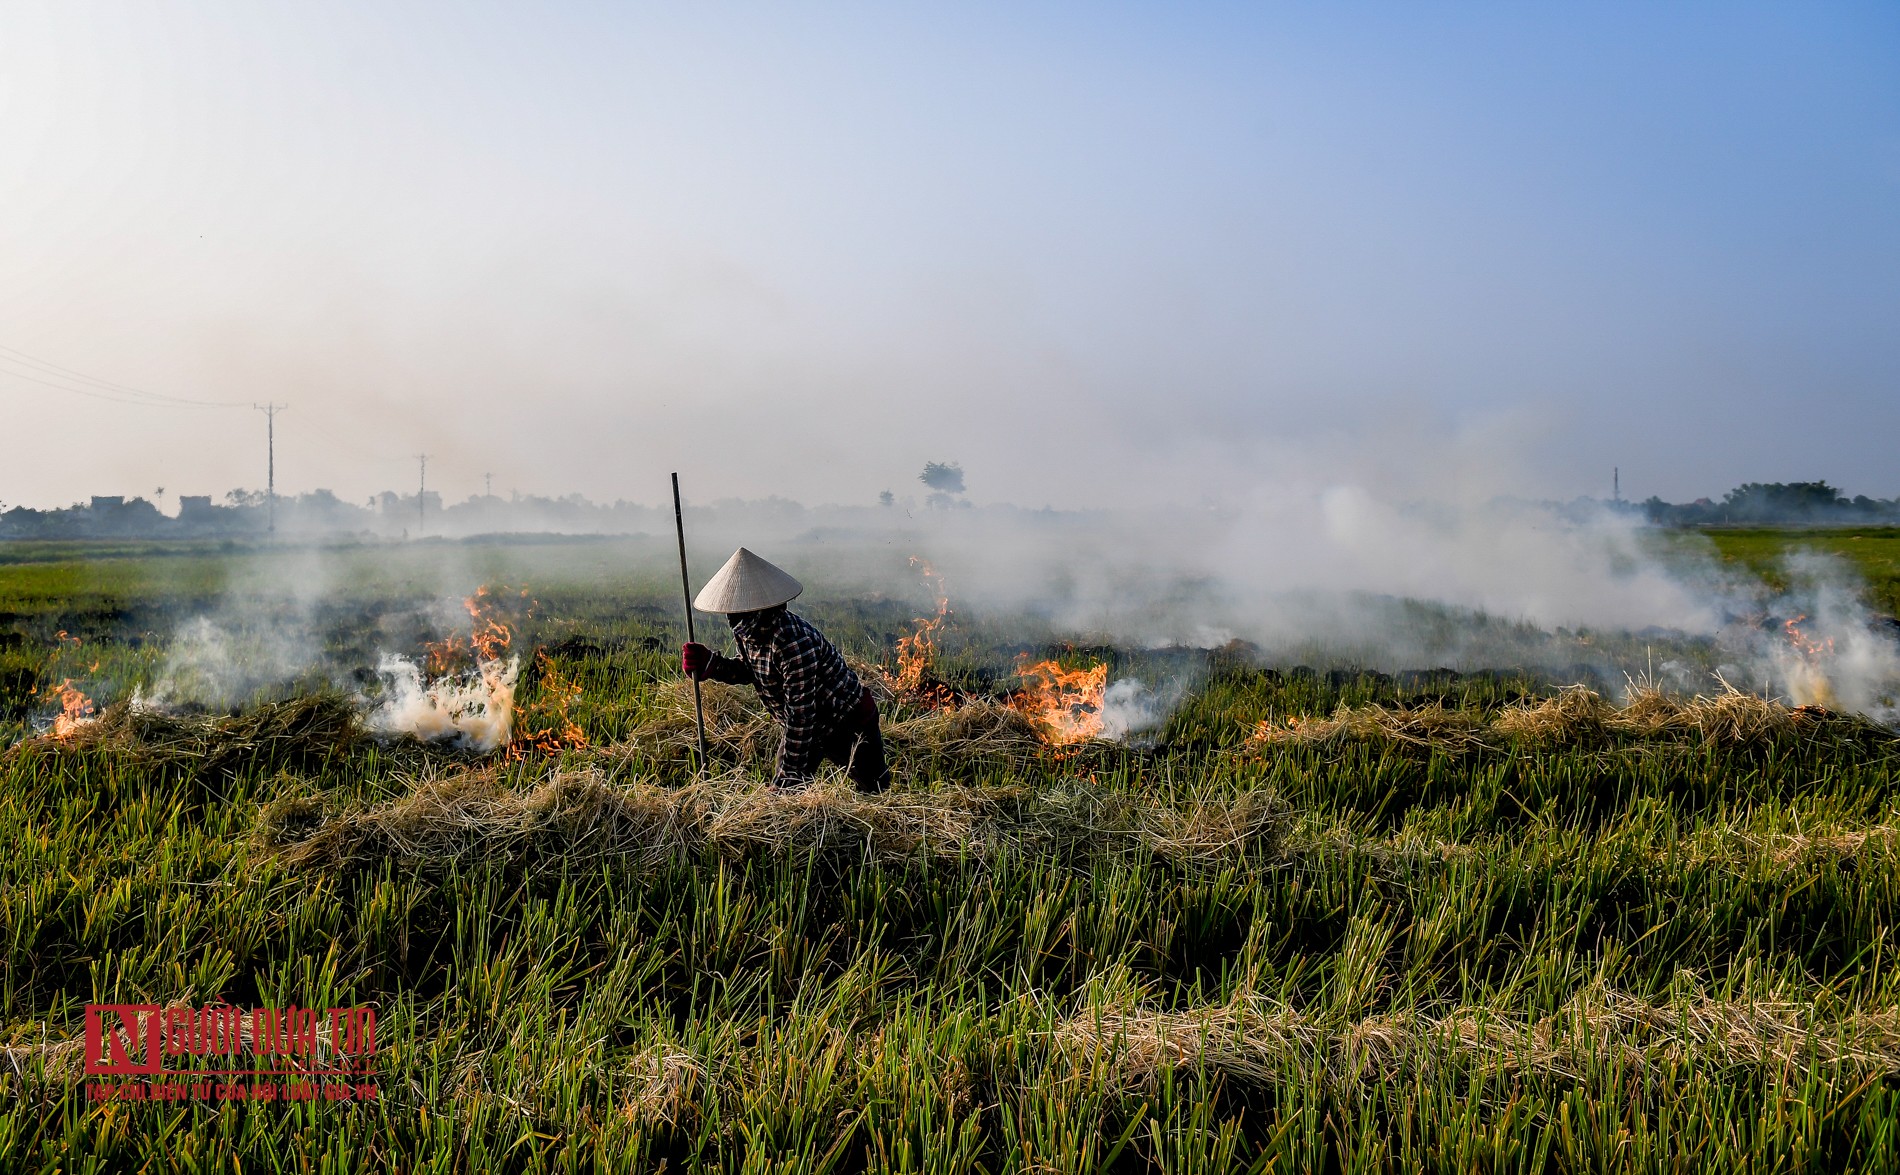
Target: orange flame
[
  {"x": 1810, "y": 649},
  {"x": 1065, "y": 704},
  {"x": 1808, "y": 682},
  {"x": 493, "y": 614},
  {"x": 442, "y": 656},
  {"x": 561, "y": 733},
  {"x": 491, "y": 635},
  {"x": 488, "y": 687},
  {"x": 489, "y": 611},
  {"x": 917, "y": 652},
  {"x": 1267, "y": 731},
  {"x": 75, "y": 710}
]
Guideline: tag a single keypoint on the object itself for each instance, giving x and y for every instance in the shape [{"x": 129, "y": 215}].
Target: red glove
[{"x": 694, "y": 658}]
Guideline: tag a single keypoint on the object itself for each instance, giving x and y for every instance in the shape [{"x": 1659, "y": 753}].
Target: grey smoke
[{"x": 1327, "y": 573}]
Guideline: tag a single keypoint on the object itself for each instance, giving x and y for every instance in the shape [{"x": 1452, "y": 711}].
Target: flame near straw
[
  {"x": 1065, "y": 704},
  {"x": 477, "y": 710},
  {"x": 917, "y": 652},
  {"x": 75, "y": 710}
]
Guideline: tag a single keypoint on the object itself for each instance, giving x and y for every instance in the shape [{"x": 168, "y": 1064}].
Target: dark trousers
[{"x": 856, "y": 744}]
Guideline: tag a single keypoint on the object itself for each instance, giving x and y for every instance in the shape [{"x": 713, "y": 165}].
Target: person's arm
[
  {"x": 731, "y": 670},
  {"x": 699, "y": 661}
]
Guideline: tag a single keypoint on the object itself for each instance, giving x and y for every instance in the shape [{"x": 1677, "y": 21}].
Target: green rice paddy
[{"x": 1195, "y": 952}]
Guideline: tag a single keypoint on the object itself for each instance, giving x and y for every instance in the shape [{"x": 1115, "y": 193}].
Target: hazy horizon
[{"x": 1098, "y": 256}]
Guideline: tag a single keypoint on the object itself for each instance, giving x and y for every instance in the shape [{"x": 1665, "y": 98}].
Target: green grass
[
  {"x": 1608, "y": 955},
  {"x": 1873, "y": 551}
]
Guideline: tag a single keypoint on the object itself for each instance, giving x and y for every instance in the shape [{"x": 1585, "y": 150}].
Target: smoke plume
[{"x": 472, "y": 711}]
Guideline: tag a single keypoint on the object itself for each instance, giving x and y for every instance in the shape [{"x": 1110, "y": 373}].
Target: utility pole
[
  {"x": 1616, "y": 483},
  {"x": 488, "y": 485},
  {"x": 422, "y": 493},
  {"x": 270, "y": 412}
]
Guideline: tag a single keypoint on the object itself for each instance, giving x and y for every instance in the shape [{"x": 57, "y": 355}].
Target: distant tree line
[
  {"x": 242, "y": 513},
  {"x": 247, "y": 514},
  {"x": 1771, "y": 503}
]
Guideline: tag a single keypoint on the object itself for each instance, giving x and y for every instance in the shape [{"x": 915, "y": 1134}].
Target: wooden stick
[{"x": 686, "y": 590}]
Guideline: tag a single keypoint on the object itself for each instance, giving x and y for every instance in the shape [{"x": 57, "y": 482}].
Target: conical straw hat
[{"x": 746, "y": 583}]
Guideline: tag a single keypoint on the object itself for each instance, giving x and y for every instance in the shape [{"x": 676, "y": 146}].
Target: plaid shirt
[{"x": 802, "y": 679}]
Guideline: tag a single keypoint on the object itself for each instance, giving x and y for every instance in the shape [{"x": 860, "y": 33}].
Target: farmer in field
[{"x": 826, "y": 711}]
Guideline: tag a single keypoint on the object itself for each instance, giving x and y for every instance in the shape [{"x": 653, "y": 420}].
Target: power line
[
  {"x": 104, "y": 389},
  {"x": 118, "y": 393},
  {"x": 21, "y": 365},
  {"x": 97, "y": 395},
  {"x": 44, "y": 368}
]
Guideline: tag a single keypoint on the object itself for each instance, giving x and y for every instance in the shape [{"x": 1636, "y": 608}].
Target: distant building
[{"x": 107, "y": 501}]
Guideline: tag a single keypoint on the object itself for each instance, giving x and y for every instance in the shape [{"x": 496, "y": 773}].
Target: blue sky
[{"x": 1095, "y": 253}]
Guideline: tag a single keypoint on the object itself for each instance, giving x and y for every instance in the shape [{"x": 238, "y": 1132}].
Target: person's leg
[
  {"x": 869, "y": 771},
  {"x": 859, "y": 746}
]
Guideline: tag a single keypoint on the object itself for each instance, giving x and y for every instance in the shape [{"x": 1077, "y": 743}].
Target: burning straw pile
[
  {"x": 472, "y": 813},
  {"x": 1575, "y": 716},
  {"x": 739, "y": 729},
  {"x": 1056, "y": 706},
  {"x": 307, "y": 730}
]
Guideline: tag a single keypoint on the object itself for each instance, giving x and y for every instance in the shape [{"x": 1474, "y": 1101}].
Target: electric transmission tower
[
  {"x": 422, "y": 494},
  {"x": 270, "y": 412}
]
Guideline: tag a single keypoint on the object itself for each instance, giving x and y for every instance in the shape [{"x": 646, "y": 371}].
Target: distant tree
[
  {"x": 1767, "y": 502},
  {"x": 139, "y": 517},
  {"x": 886, "y": 498},
  {"x": 244, "y": 498},
  {"x": 945, "y": 477},
  {"x": 1774, "y": 503}
]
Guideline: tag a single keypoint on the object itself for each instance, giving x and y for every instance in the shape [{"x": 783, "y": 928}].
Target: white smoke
[
  {"x": 227, "y": 661},
  {"x": 1338, "y": 575},
  {"x": 1130, "y": 708},
  {"x": 1828, "y": 649},
  {"x": 1340, "y": 559},
  {"x": 472, "y": 711}
]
